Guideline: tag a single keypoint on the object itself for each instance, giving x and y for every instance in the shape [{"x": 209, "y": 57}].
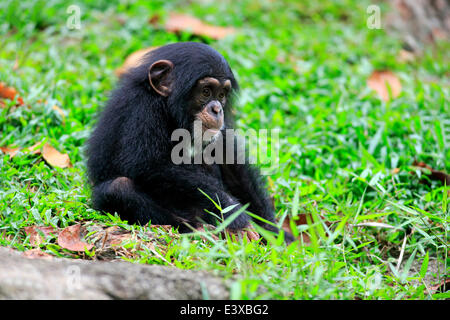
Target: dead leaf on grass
[
  {"x": 35, "y": 148},
  {"x": 181, "y": 22},
  {"x": 301, "y": 219},
  {"x": 70, "y": 238},
  {"x": 381, "y": 80},
  {"x": 34, "y": 233},
  {"x": 11, "y": 151},
  {"x": 54, "y": 158},
  {"x": 36, "y": 254},
  {"x": 441, "y": 287},
  {"x": 133, "y": 60},
  {"x": 116, "y": 236},
  {"x": 436, "y": 175},
  {"x": 9, "y": 93}
]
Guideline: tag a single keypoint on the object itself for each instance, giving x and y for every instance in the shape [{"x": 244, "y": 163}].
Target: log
[{"x": 58, "y": 278}]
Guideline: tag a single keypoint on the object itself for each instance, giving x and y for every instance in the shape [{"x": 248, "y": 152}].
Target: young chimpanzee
[{"x": 129, "y": 152}]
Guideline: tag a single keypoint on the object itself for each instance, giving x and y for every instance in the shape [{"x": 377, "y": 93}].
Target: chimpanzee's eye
[
  {"x": 206, "y": 92},
  {"x": 221, "y": 95}
]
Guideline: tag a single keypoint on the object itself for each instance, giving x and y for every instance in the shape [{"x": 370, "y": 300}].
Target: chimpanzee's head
[{"x": 196, "y": 83}]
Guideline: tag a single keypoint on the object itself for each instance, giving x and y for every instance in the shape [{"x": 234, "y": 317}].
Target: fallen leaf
[
  {"x": 441, "y": 287},
  {"x": 10, "y": 151},
  {"x": 35, "y": 237},
  {"x": 69, "y": 238},
  {"x": 301, "y": 219},
  {"x": 35, "y": 148},
  {"x": 380, "y": 80},
  {"x": 109, "y": 241},
  {"x": 116, "y": 236},
  {"x": 166, "y": 227},
  {"x": 9, "y": 93},
  {"x": 36, "y": 254},
  {"x": 54, "y": 157},
  {"x": 133, "y": 60},
  {"x": 181, "y": 22},
  {"x": 435, "y": 174},
  {"x": 154, "y": 19}
]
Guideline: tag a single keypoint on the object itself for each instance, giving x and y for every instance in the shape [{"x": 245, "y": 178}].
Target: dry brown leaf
[
  {"x": 116, "y": 236},
  {"x": 54, "y": 157},
  {"x": 380, "y": 80},
  {"x": 9, "y": 93},
  {"x": 133, "y": 60},
  {"x": 35, "y": 148},
  {"x": 35, "y": 237},
  {"x": 154, "y": 19},
  {"x": 166, "y": 227},
  {"x": 69, "y": 238},
  {"x": 181, "y": 22},
  {"x": 435, "y": 174},
  {"x": 441, "y": 287},
  {"x": 300, "y": 220},
  {"x": 36, "y": 254},
  {"x": 10, "y": 151}
]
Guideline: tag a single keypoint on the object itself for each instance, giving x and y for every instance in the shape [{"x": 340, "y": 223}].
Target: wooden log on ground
[{"x": 55, "y": 278}]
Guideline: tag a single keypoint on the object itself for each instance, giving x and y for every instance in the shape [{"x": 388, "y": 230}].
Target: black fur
[{"x": 129, "y": 151}]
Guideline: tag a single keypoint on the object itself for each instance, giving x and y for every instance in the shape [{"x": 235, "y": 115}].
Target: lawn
[{"x": 377, "y": 226}]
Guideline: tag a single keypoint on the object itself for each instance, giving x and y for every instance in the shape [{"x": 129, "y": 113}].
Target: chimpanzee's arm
[{"x": 245, "y": 183}]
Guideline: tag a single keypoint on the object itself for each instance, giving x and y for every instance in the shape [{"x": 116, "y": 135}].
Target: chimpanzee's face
[
  {"x": 209, "y": 97},
  {"x": 206, "y": 101}
]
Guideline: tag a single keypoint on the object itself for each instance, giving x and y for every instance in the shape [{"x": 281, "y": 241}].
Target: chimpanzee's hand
[{"x": 249, "y": 232}]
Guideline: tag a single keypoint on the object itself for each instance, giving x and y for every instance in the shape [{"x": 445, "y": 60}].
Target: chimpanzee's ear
[{"x": 160, "y": 77}]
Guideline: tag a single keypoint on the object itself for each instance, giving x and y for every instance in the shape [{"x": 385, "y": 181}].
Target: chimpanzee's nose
[{"x": 215, "y": 108}]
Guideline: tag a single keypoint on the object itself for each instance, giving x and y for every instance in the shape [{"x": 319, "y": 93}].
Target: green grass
[{"x": 302, "y": 67}]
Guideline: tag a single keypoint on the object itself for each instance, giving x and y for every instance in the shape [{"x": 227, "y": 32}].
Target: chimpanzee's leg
[
  {"x": 120, "y": 195},
  {"x": 178, "y": 187}
]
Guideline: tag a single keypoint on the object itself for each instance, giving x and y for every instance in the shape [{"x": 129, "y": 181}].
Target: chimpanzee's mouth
[{"x": 212, "y": 130}]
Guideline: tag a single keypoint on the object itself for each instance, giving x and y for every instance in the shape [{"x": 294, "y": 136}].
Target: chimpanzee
[{"x": 129, "y": 152}]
